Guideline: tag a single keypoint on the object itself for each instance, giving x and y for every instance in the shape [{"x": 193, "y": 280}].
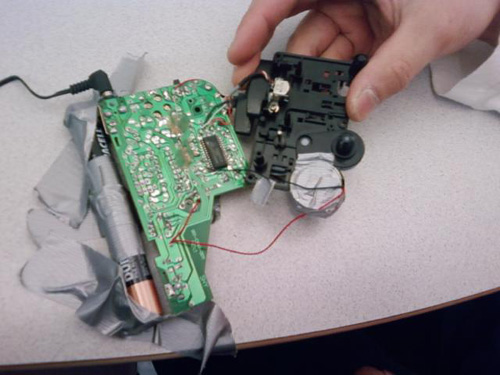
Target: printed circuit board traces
[{"x": 175, "y": 147}]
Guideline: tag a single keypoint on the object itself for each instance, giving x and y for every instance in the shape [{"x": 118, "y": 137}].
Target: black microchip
[{"x": 214, "y": 152}]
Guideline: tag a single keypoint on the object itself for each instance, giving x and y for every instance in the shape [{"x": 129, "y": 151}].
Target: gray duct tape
[
  {"x": 68, "y": 269},
  {"x": 77, "y": 276},
  {"x": 64, "y": 189},
  {"x": 41, "y": 223}
]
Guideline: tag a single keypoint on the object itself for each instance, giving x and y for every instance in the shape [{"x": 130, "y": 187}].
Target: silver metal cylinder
[{"x": 315, "y": 184}]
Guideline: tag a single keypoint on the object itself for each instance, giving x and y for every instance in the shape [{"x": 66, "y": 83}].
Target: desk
[{"x": 419, "y": 227}]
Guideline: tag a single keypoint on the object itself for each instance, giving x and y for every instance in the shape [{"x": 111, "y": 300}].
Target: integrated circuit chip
[{"x": 211, "y": 145}]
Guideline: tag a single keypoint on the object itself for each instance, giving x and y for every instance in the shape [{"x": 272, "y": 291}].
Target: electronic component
[
  {"x": 279, "y": 91},
  {"x": 299, "y": 110},
  {"x": 176, "y": 153},
  {"x": 213, "y": 149},
  {"x": 315, "y": 183},
  {"x": 114, "y": 213},
  {"x": 302, "y": 110}
]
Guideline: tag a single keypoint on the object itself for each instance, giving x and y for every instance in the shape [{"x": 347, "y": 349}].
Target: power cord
[{"x": 98, "y": 81}]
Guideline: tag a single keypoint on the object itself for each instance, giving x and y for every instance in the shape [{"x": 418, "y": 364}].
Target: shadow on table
[{"x": 461, "y": 339}]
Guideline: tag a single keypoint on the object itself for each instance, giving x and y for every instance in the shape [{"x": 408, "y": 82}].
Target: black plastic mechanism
[{"x": 300, "y": 109}]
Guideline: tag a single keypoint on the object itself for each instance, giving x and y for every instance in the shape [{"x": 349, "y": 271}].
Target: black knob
[
  {"x": 358, "y": 63},
  {"x": 345, "y": 146}
]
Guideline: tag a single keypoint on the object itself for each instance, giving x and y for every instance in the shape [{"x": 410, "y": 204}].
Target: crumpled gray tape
[
  {"x": 64, "y": 188},
  {"x": 66, "y": 196},
  {"x": 125, "y": 76},
  {"x": 67, "y": 268},
  {"x": 41, "y": 223},
  {"x": 77, "y": 276}
]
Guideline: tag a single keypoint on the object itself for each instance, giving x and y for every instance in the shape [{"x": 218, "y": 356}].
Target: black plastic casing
[{"x": 311, "y": 118}]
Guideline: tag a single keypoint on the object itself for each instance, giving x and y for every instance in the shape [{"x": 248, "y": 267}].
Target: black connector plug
[{"x": 98, "y": 81}]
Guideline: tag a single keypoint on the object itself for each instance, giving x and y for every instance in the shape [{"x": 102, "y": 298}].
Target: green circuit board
[{"x": 176, "y": 150}]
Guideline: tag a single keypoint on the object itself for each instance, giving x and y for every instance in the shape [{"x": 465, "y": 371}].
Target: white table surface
[{"x": 419, "y": 227}]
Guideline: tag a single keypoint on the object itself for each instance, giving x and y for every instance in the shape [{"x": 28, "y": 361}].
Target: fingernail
[{"x": 365, "y": 102}]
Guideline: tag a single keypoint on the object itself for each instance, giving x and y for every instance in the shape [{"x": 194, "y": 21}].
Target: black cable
[
  {"x": 250, "y": 78},
  {"x": 288, "y": 182},
  {"x": 98, "y": 81},
  {"x": 313, "y": 188},
  {"x": 17, "y": 78}
]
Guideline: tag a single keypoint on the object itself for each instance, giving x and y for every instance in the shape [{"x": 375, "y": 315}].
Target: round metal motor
[{"x": 316, "y": 186}]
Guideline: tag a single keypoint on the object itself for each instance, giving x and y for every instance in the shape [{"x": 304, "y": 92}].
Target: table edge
[{"x": 250, "y": 344}]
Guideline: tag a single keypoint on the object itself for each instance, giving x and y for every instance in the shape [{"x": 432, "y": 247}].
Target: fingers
[
  {"x": 246, "y": 69},
  {"x": 314, "y": 34},
  {"x": 258, "y": 26},
  {"x": 341, "y": 49},
  {"x": 425, "y": 32},
  {"x": 394, "y": 64},
  {"x": 336, "y": 30},
  {"x": 353, "y": 25}
]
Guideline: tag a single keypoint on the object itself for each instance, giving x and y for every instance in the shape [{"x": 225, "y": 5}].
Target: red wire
[
  {"x": 288, "y": 225},
  {"x": 221, "y": 121},
  {"x": 184, "y": 82}
]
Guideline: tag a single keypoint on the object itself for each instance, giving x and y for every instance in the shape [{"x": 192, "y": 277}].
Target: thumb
[{"x": 395, "y": 63}]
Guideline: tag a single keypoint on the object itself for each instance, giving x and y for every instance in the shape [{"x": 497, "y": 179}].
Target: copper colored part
[{"x": 144, "y": 293}]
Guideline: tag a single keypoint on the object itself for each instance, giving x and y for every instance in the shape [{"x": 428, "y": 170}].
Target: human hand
[{"x": 401, "y": 36}]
